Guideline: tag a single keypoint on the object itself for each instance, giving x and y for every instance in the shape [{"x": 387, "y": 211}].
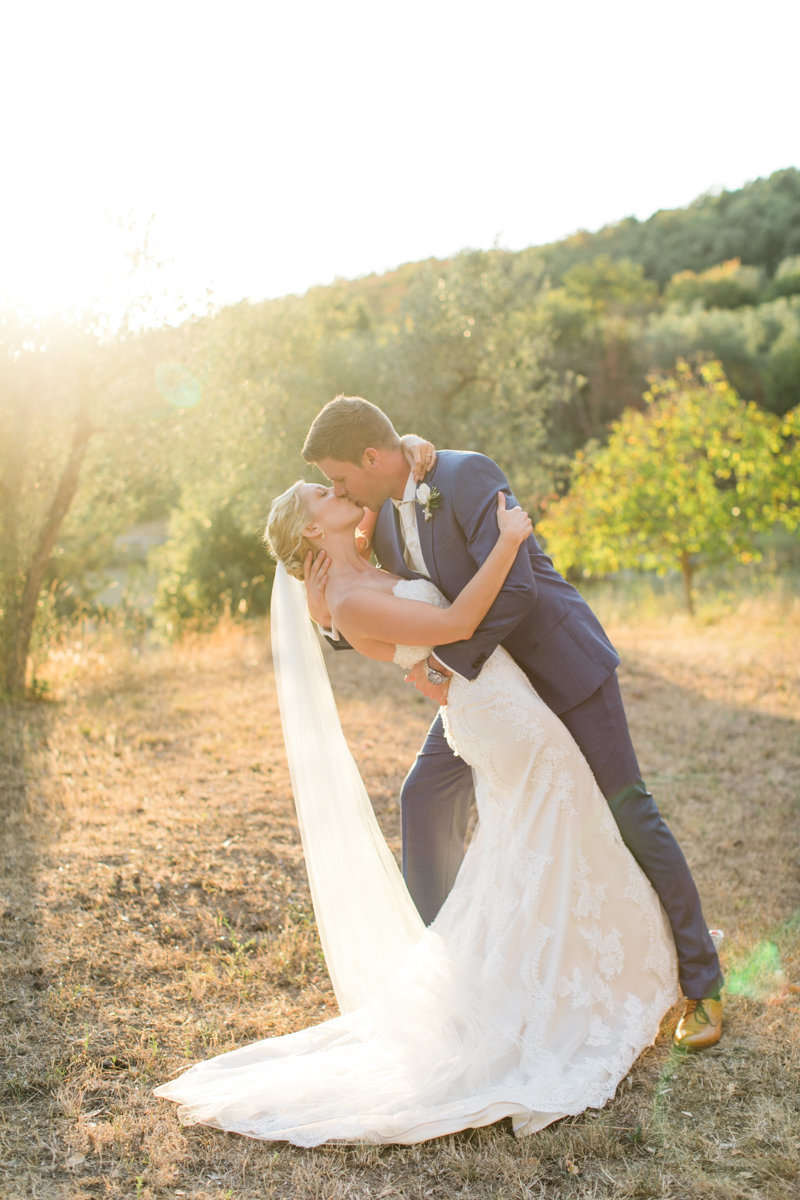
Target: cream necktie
[{"x": 412, "y": 551}]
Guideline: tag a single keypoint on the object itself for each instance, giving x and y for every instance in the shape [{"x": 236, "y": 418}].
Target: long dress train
[{"x": 544, "y": 976}]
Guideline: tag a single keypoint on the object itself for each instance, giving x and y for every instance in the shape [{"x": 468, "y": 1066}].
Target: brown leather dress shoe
[{"x": 701, "y": 1024}]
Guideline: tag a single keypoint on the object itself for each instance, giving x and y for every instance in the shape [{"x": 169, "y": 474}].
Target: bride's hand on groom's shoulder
[
  {"x": 315, "y": 573},
  {"x": 513, "y": 522},
  {"x": 419, "y": 454}
]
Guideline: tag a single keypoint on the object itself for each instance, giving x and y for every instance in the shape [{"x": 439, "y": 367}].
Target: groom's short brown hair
[{"x": 345, "y": 427}]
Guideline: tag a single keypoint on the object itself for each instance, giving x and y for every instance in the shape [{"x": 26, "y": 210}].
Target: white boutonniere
[{"x": 429, "y": 498}]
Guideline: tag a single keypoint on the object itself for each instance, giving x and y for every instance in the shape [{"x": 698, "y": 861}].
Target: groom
[{"x": 443, "y": 531}]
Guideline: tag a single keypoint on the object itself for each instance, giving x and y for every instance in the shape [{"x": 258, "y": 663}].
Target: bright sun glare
[{"x": 265, "y": 148}]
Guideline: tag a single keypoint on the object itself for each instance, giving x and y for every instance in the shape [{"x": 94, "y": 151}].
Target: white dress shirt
[
  {"x": 407, "y": 508},
  {"x": 412, "y": 549}
]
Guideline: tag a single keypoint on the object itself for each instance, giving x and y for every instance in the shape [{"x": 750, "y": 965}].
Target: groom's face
[{"x": 365, "y": 482}]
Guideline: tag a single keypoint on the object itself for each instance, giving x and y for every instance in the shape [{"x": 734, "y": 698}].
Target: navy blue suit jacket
[{"x": 542, "y": 621}]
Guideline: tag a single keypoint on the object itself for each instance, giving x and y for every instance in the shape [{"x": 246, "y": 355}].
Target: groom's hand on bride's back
[{"x": 315, "y": 573}]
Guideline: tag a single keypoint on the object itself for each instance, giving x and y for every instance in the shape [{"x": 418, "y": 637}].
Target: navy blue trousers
[{"x": 437, "y": 796}]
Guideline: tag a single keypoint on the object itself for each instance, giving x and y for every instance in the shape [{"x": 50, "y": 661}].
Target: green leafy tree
[
  {"x": 786, "y": 280},
  {"x": 612, "y": 286},
  {"x": 74, "y": 463},
  {"x": 596, "y": 319},
  {"x": 469, "y": 364},
  {"x": 212, "y": 568},
  {"x": 692, "y": 479},
  {"x": 782, "y": 376},
  {"x": 754, "y": 344},
  {"x": 727, "y": 285},
  {"x": 254, "y": 376},
  {"x": 759, "y": 224}
]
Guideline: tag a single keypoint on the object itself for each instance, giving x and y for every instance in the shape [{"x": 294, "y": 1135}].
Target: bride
[{"x": 550, "y": 965}]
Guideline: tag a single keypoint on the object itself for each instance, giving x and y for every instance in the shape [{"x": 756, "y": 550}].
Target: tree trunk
[
  {"x": 687, "y": 571},
  {"x": 24, "y": 619}
]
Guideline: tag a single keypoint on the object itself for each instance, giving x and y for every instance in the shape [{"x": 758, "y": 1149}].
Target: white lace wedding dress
[{"x": 544, "y": 976}]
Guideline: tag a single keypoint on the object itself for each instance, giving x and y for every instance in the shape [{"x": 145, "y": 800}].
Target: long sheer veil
[{"x": 366, "y": 918}]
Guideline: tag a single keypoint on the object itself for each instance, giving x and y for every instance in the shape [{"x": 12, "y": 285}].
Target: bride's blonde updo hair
[{"x": 287, "y": 519}]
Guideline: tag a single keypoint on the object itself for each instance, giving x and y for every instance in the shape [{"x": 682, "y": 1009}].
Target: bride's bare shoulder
[
  {"x": 359, "y": 605},
  {"x": 350, "y": 597}
]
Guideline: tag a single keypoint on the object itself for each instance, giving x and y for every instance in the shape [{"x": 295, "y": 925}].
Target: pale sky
[{"x": 270, "y": 145}]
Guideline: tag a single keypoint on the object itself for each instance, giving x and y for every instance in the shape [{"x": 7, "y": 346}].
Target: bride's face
[{"x": 329, "y": 511}]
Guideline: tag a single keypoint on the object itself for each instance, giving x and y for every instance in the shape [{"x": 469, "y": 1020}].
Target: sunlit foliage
[
  {"x": 690, "y": 480},
  {"x": 525, "y": 356}
]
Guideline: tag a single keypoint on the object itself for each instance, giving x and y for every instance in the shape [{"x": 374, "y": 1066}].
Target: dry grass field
[{"x": 154, "y": 910}]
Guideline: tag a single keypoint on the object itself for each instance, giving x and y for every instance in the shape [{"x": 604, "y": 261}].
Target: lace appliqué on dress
[{"x": 544, "y": 976}]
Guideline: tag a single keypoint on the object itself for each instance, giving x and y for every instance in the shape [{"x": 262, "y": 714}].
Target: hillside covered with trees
[{"x": 530, "y": 357}]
